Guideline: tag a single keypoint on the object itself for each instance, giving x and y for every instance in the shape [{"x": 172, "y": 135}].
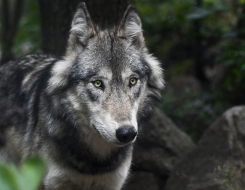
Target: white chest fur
[{"x": 64, "y": 179}]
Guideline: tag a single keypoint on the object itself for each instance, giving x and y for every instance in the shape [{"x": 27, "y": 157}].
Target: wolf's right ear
[
  {"x": 82, "y": 28},
  {"x": 131, "y": 26}
]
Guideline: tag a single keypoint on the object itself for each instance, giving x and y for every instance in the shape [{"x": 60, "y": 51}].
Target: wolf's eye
[
  {"x": 98, "y": 83},
  {"x": 133, "y": 81}
]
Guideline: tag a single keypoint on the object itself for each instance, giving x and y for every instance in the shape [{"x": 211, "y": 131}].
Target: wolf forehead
[
  {"x": 103, "y": 52},
  {"x": 112, "y": 54}
]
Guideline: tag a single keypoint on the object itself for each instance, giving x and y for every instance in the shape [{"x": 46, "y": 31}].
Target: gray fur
[{"x": 69, "y": 121}]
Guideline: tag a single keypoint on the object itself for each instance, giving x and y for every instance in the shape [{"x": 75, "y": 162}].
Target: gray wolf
[{"x": 82, "y": 112}]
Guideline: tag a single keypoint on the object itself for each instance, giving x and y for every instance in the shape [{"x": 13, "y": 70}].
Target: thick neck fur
[{"x": 83, "y": 145}]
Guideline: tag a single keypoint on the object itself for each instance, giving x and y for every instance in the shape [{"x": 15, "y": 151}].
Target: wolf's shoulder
[
  {"x": 20, "y": 79},
  {"x": 17, "y": 69},
  {"x": 29, "y": 68}
]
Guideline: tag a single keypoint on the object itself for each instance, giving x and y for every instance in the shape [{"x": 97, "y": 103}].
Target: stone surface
[
  {"x": 218, "y": 162},
  {"x": 141, "y": 181},
  {"x": 156, "y": 152},
  {"x": 162, "y": 145}
]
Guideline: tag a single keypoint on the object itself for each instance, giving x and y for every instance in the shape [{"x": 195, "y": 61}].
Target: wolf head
[{"x": 107, "y": 80}]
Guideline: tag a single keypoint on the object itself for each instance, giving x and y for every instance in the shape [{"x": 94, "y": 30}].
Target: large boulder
[
  {"x": 142, "y": 181},
  {"x": 158, "y": 149},
  {"x": 218, "y": 162}
]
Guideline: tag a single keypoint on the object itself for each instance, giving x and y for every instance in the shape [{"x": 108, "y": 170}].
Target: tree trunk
[
  {"x": 199, "y": 49},
  {"x": 10, "y": 14},
  {"x": 56, "y": 17},
  {"x": 241, "y": 24},
  {"x": 106, "y": 12}
]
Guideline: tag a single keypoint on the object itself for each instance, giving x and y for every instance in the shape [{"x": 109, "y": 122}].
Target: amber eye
[
  {"x": 133, "y": 81},
  {"x": 98, "y": 83}
]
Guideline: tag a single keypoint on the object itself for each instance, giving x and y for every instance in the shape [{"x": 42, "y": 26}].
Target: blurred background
[{"x": 200, "y": 43}]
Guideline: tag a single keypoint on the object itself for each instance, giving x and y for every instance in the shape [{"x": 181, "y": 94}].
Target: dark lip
[
  {"x": 118, "y": 144},
  {"x": 95, "y": 129},
  {"x": 122, "y": 144},
  {"x": 125, "y": 144}
]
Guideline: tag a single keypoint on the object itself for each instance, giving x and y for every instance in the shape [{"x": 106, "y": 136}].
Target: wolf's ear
[
  {"x": 131, "y": 26},
  {"x": 82, "y": 28}
]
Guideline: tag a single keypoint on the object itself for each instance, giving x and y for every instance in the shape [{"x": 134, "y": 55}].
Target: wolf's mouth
[
  {"x": 102, "y": 136},
  {"x": 96, "y": 129},
  {"x": 116, "y": 143}
]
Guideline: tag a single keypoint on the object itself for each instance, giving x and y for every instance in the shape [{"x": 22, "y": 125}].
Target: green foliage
[
  {"x": 28, "y": 38},
  {"x": 234, "y": 60},
  {"x": 26, "y": 177},
  {"x": 193, "y": 112},
  {"x": 165, "y": 24},
  {"x": 170, "y": 30}
]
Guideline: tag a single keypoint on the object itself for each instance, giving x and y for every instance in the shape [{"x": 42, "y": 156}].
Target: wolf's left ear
[
  {"x": 82, "y": 28},
  {"x": 131, "y": 26}
]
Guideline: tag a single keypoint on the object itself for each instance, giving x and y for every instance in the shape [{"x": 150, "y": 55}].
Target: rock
[
  {"x": 161, "y": 147},
  {"x": 218, "y": 162},
  {"x": 141, "y": 181}
]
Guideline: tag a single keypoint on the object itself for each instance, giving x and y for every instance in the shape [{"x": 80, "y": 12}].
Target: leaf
[
  {"x": 242, "y": 2},
  {"x": 243, "y": 67},
  {"x": 199, "y": 13},
  {"x": 9, "y": 177},
  {"x": 27, "y": 178},
  {"x": 220, "y": 8},
  {"x": 32, "y": 171}
]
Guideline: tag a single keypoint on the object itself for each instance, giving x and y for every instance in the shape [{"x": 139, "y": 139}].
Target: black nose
[{"x": 126, "y": 134}]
